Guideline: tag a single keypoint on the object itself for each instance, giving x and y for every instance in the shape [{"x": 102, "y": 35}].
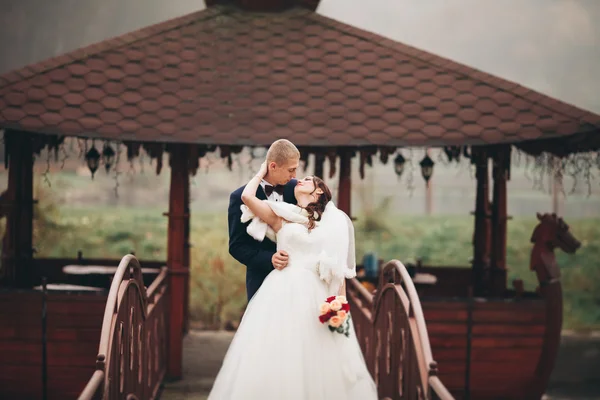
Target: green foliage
[
  {"x": 218, "y": 282},
  {"x": 49, "y": 226}
]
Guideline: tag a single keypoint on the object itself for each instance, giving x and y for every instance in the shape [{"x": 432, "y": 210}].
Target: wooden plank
[
  {"x": 24, "y": 318},
  {"x": 519, "y": 355},
  {"x": 514, "y": 306},
  {"x": 443, "y": 305},
  {"x": 457, "y": 355},
  {"x": 498, "y": 382},
  {"x": 82, "y": 322},
  {"x": 20, "y": 353},
  {"x": 450, "y": 316},
  {"x": 25, "y": 333},
  {"x": 485, "y": 304},
  {"x": 62, "y": 372},
  {"x": 24, "y": 392},
  {"x": 444, "y": 341},
  {"x": 59, "y": 353},
  {"x": 437, "y": 328},
  {"x": 482, "y": 368},
  {"x": 31, "y": 303},
  {"x": 438, "y": 342},
  {"x": 507, "y": 342},
  {"x": 96, "y": 307},
  {"x": 446, "y": 328},
  {"x": 452, "y": 353},
  {"x": 501, "y": 316},
  {"x": 534, "y": 330},
  {"x": 63, "y": 382}
]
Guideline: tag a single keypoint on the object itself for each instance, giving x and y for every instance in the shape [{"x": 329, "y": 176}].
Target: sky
[
  {"x": 552, "y": 46},
  {"x": 33, "y": 30}
]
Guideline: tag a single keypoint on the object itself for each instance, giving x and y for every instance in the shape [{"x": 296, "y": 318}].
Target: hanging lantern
[
  {"x": 399, "y": 162},
  {"x": 427, "y": 167},
  {"x": 92, "y": 157},
  {"x": 108, "y": 154}
]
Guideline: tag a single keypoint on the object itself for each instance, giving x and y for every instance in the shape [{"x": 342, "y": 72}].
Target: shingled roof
[{"x": 226, "y": 76}]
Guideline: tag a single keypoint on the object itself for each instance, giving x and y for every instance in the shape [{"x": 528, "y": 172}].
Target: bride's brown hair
[{"x": 316, "y": 208}]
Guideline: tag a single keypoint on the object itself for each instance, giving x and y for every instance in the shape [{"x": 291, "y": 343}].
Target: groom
[{"x": 278, "y": 185}]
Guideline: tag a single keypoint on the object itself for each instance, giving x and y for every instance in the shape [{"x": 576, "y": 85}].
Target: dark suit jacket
[{"x": 255, "y": 255}]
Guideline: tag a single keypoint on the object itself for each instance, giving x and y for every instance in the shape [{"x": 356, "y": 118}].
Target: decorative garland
[{"x": 582, "y": 168}]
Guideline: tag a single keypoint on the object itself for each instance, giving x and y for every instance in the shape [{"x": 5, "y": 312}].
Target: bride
[{"x": 281, "y": 350}]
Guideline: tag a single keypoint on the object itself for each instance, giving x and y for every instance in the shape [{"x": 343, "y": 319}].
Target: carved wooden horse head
[{"x": 550, "y": 233}]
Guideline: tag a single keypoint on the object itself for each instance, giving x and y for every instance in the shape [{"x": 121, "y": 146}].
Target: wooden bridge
[
  {"x": 131, "y": 360},
  {"x": 63, "y": 342}
]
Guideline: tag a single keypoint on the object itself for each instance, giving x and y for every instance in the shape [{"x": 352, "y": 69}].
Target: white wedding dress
[{"x": 281, "y": 351}]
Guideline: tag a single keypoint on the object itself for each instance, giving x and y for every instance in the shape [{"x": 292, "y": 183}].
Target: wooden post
[
  {"x": 345, "y": 186},
  {"x": 186, "y": 258},
  {"x": 177, "y": 257},
  {"x": 501, "y": 170},
  {"x": 17, "y": 204},
  {"x": 429, "y": 193},
  {"x": 482, "y": 230}
]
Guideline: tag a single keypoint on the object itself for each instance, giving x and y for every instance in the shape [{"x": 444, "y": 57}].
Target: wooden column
[
  {"x": 482, "y": 230},
  {"x": 177, "y": 257},
  {"x": 17, "y": 205},
  {"x": 501, "y": 159},
  {"x": 186, "y": 258},
  {"x": 429, "y": 194},
  {"x": 345, "y": 186}
]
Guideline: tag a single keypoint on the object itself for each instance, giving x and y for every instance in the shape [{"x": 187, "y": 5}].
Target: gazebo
[{"x": 243, "y": 74}]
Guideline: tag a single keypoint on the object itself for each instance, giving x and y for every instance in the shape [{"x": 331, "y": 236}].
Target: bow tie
[{"x": 270, "y": 189}]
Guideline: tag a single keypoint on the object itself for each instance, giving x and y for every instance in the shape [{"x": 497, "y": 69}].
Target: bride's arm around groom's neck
[{"x": 257, "y": 206}]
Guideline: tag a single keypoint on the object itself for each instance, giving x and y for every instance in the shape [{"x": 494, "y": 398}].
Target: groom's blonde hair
[{"x": 282, "y": 151}]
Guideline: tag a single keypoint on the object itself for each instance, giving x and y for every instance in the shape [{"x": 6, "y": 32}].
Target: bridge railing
[
  {"x": 131, "y": 359},
  {"x": 391, "y": 329}
]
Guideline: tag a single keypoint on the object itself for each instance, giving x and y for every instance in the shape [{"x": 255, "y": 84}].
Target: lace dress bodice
[
  {"x": 333, "y": 260},
  {"x": 300, "y": 244}
]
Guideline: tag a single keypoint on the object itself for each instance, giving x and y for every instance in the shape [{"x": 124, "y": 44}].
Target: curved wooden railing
[
  {"x": 131, "y": 357},
  {"x": 393, "y": 335}
]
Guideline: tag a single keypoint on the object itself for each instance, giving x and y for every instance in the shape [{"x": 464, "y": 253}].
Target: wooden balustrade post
[
  {"x": 501, "y": 174},
  {"x": 177, "y": 257},
  {"x": 482, "y": 231},
  {"x": 17, "y": 205},
  {"x": 186, "y": 257}
]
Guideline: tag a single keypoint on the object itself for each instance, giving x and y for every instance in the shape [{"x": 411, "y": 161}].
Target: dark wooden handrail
[
  {"x": 132, "y": 350},
  {"x": 393, "y": 335}
]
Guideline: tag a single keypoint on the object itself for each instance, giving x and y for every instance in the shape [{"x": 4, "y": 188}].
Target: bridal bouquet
[{"x": 335, "y": 312}]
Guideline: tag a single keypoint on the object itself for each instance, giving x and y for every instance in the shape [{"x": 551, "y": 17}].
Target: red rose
[
  {"x": 330, "y": 299},
  {"x": 346, "y": 307},
  {"x": 324, "y": 318}
]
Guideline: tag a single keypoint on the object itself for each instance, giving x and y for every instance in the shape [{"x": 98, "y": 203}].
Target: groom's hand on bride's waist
[{"x": 279, "y": 260}]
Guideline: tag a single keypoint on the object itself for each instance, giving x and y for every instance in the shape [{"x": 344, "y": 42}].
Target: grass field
[
  {"x": 218, "y": 291},
  {"x": 77, "y": 213}
]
